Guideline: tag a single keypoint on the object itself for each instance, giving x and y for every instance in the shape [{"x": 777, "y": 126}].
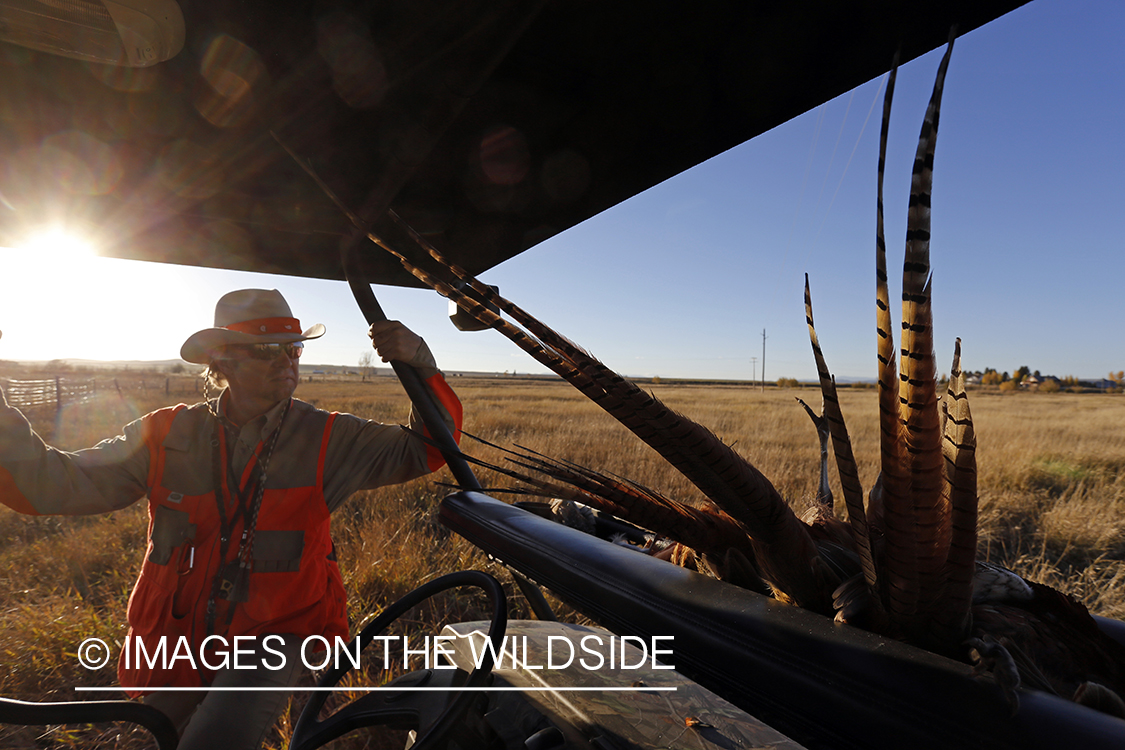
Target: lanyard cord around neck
[{"x": 240, "y": 586}]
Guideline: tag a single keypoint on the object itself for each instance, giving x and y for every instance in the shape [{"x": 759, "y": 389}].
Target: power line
[{"x": 763, "y": 360}]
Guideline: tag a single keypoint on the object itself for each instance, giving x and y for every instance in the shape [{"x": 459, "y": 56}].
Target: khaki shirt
[{"x": 361, "y": 454}]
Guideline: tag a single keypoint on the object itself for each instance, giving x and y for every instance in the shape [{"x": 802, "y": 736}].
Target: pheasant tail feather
[
  {"x": 900, "y": 579},
  {"x": 960, "y": 490}
]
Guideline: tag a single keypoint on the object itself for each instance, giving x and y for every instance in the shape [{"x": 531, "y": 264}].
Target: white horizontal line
[{"x": 377, "y": 689}]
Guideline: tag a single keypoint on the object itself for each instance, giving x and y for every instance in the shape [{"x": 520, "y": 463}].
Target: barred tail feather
[
  {"x": 960, "y": 492},
  {"x": 895, "y": 482},
  {"x": 918, "y": 387},
  {"x": 899, "y": 568}
]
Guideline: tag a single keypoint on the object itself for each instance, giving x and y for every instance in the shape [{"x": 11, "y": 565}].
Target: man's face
[{"x": 267, "y": 374}]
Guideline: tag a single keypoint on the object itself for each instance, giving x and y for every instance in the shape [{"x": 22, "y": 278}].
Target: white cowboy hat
[{"x": 247, "y": 316}]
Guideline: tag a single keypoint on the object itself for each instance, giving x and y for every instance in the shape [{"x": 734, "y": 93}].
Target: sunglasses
[{"x": 266, "y": 352}]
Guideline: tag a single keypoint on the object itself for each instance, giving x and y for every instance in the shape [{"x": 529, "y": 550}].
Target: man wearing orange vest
[{"x": 239, "y": 488}]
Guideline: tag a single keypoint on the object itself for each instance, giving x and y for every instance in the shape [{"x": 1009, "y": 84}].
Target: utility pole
[
  {"x": 763, "y": 360},
  {"x": 754, "y": 375}
]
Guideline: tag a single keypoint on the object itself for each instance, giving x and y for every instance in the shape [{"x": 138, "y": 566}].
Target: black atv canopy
[{"x": 488, "y": 125}]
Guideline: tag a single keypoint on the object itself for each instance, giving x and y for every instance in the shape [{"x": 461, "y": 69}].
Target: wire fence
[
  {"x": 61, "y": 391},
  {"x": 52, "y": 392}
]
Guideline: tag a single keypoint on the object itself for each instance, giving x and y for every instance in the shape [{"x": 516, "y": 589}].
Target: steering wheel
[
  {"x": 23, "y": 713},
  {"x": 433, "y": 718}
]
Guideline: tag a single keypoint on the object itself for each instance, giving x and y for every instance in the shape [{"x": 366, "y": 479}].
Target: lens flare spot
[
  {"x": 358, "y": 75},
  {"x": 231, "y": 72},
  {"x": 81, "y": 163},
  {"x": 504, "y": 156},
  {"x": 21, "y": 177}
]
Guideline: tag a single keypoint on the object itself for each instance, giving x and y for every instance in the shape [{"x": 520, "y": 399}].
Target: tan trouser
[{"x": 233, "y": 719}]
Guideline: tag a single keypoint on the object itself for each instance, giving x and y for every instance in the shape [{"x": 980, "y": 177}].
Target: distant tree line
[{"x": 1024, "y": 376}]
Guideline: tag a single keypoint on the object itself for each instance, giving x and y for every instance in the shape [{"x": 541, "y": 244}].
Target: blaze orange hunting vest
[{"x": 295, "y": 584}]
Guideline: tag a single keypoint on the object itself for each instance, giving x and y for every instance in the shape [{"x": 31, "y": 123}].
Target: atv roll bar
[{"x": 412, "y": 382}]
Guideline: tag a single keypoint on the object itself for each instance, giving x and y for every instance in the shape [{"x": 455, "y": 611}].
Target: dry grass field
[{"x": 1052, "y": 489}]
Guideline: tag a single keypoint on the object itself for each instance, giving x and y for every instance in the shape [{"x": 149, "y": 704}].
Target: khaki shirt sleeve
[
  {"x": 363, "y": 454},
  {"x": 36, "y": 478}
]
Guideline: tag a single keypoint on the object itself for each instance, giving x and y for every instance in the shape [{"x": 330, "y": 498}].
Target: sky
[{"x": 681, "y": 281}]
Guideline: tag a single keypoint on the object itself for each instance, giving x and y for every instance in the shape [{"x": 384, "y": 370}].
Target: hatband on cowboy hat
[{"x": 247, "y": 316}]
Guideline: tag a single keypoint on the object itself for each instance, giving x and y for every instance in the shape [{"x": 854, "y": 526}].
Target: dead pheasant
[{"x": 904, "y": 563}]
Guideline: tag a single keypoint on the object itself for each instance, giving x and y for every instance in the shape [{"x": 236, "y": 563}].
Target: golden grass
[{"x": 1052, "y": 489}]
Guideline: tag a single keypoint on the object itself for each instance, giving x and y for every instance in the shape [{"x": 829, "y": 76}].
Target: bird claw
[{"x": 992, "y": 657}]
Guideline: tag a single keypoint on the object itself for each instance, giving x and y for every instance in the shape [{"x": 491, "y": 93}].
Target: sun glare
[
  {"x": 50, "y": 272},
  {"x": 60, "y": 300},
  {"x": 56, "y": 244}
]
